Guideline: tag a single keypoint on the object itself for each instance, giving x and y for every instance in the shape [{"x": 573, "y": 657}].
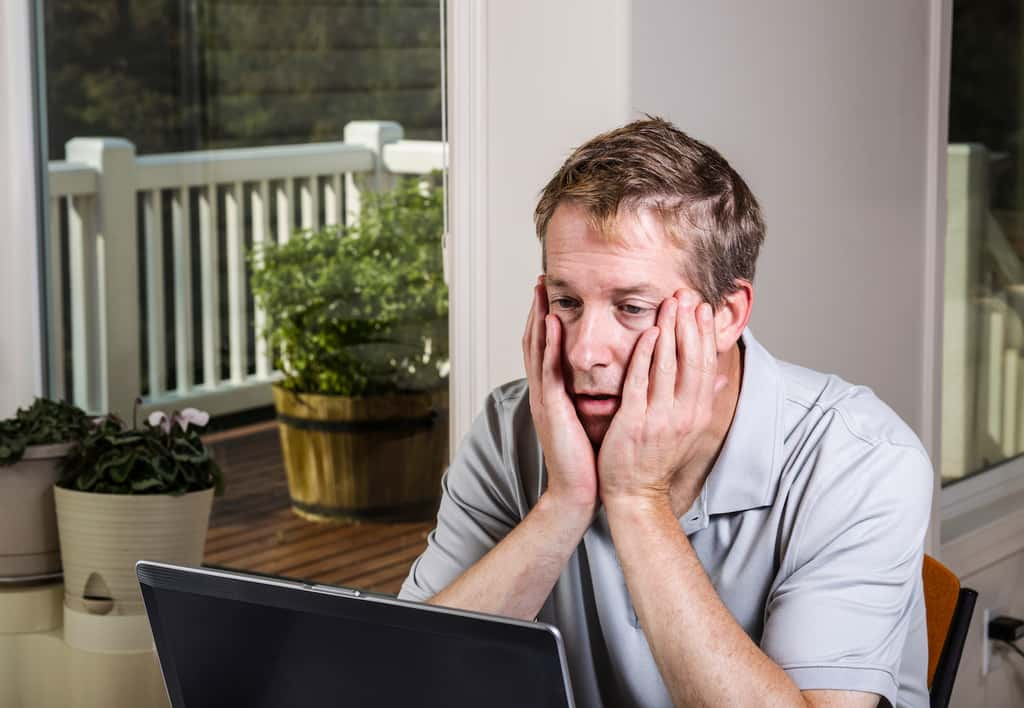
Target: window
[
  {"x": 983, "y": 349},
  {"x": 239, "y": 129}
]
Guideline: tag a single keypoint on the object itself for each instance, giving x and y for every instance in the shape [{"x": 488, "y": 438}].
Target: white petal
[
  {"x": 192, "y": 416},
  {"x": 195, "y": 416}
]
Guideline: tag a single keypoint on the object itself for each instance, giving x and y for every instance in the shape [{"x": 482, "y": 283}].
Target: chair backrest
[
  {"x": 941, "y": 591},
  {"x": 948, "y": 608}
]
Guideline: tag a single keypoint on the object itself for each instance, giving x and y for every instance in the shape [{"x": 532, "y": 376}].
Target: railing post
[
  {"x": 373, "y": 134},
  {"x": 117, "y": 262}
]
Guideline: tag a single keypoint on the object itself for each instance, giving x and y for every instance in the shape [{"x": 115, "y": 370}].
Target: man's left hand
[{"x": 667, "y": 402}]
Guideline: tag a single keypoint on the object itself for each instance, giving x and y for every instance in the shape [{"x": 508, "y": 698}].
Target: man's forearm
[
  {"x": 517, "y": 575},
  {"x": 703, "y": 655}
]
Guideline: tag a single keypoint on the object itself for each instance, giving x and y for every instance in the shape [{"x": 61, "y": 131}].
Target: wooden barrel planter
[{"x": 376, "y": 458}]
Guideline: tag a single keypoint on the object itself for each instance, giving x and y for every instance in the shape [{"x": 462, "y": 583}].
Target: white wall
[
  {"x": 821, "y": 106},
  {"x": 556, "y": 75},
  {"x": 20, "y": 350}
]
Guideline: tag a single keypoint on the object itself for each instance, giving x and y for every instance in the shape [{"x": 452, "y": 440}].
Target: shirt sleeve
[
  {"x": 839, "y": 613},
  {"x": 478, "y": 508}
]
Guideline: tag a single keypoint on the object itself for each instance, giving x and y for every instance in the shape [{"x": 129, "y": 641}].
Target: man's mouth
[{"x": 596, "y": 404}]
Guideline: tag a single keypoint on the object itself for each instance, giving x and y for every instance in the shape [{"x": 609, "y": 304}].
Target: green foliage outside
[
  {"x": 152, "y": 459},
  {"x": 45, "y": 422},
  {"x": 206, "y": 74},
  {"x": 361, "y": 310}
]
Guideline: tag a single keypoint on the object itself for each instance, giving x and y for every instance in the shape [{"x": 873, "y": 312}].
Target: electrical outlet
[{"x": 991, "y": 655}]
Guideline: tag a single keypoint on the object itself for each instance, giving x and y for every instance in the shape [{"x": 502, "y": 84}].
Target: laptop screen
[{"x": 226, "y": 639}]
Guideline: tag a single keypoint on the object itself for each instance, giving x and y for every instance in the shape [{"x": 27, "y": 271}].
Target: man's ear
[{"x": 732, "y": 314}]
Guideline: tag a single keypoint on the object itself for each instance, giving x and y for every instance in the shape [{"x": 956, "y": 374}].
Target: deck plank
[{"x": 252, "y": 527}]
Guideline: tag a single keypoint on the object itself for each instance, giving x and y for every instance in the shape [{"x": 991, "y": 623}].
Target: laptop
[{"x": 227, "y": 639}]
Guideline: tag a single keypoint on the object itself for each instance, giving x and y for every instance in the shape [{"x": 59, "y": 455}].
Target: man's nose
[{"x": 588, "y": 341}]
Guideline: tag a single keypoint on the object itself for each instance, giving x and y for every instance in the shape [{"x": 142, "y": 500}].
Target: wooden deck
[{"x": 252, "y": 527}]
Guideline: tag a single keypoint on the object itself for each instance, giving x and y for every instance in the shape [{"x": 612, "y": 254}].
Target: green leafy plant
[
  {"x": 45, "y": 422},
  {"x": 163, "y": 456},
  {"x": 360, "y": 310}
]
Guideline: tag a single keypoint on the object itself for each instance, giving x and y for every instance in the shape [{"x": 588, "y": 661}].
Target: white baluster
[
  {"x": 309, "y": 202},
  {"x": 991, "y": 344},
  {"x": 55, "y": 303},
  {"x": 153, "y": 237},
  {"x": 260, "y": 206},
  {"x": 332, "y": 201},
  {"x": 183, "y": 323},
  {"x": 285, "y": 209},
  {"x": 85, "y": 304},
  {"x": 237, "y": 319},
  {"x": 1018, "y": 396},
  {"x": 1011, "y": 375},
  {"x": 209, "y": 269}
]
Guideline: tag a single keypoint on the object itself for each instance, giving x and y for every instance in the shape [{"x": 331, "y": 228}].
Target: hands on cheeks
[
  {"x": 568, "y": 454},
  {"x": 667, "y": 402}
]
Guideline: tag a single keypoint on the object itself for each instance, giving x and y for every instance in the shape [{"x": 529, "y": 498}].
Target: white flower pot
[
  {"x": 103, "y": 535},
  {"x": 28, "y": 526}
]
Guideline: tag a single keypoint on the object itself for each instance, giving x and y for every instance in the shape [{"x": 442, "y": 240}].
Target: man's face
[{"x": 606, "y": 292}]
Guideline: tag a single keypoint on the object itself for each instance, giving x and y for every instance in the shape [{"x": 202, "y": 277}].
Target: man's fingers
[
  {"x": 689, "y": 347},
  {"x": 528, "y": 331},
  {"x": 663, "y": 373},
  {"x": 533, "y": 345},
  {"x": 708, "y": 356},
  {"x": 551, "y": 374},
  {"x": 634, "y": 390}
]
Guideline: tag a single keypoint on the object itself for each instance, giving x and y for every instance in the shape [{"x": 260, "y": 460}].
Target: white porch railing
[{"x": 117, "y": 219}]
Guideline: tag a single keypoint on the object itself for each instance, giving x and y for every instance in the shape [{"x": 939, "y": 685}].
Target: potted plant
[
  {"x": 127, "y": 494},
  {"x": 32, "y": 444},
  {"x": 357, "y": 318}
]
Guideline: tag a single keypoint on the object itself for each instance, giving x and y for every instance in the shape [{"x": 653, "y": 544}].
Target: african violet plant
[
  {"x": 163, "y": 456},
  {"x": 45, "y": 422},
  {"x": 361, "y": 310}
]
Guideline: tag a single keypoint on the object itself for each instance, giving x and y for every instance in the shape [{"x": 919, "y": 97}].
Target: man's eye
[
  {"x": 565, "y": 303},
  {"x": 633, "y": 309}
]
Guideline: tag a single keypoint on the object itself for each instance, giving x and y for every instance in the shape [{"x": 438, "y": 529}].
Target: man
[{"x": 703, "y": 523}]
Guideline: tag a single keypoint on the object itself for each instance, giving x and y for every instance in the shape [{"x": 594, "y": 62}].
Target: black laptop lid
[{"x": 227, "y": 639}]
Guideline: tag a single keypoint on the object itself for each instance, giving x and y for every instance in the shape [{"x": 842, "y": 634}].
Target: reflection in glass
[
  {"x": 983, "y": 348},
  {"x": 232, "y": 125}
]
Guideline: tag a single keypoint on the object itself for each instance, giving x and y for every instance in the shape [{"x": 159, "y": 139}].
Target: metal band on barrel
[{"x": 361, "y": 426}]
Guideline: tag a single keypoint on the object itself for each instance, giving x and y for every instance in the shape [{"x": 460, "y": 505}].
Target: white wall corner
[
  {"x": 466, "y": 246},
  {"x": 939, "y": 43}
]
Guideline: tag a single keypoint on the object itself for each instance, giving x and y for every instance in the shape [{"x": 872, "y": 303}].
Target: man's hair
[{"x": 701, "y": 201}]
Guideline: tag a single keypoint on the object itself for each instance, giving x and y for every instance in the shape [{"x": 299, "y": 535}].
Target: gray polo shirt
[{"x": 811, "y": 527}]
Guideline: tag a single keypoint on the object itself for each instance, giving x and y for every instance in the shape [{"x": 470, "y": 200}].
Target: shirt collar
[{"x": 745, "y": 474}]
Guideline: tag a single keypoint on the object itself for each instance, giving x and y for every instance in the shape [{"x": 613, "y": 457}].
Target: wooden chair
[{"x": 948, "y": 608}]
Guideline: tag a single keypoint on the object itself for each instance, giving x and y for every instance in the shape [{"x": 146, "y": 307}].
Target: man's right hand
[
  {"x": 568, "y": 453},
  {"x": 516, "y": 576}
]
